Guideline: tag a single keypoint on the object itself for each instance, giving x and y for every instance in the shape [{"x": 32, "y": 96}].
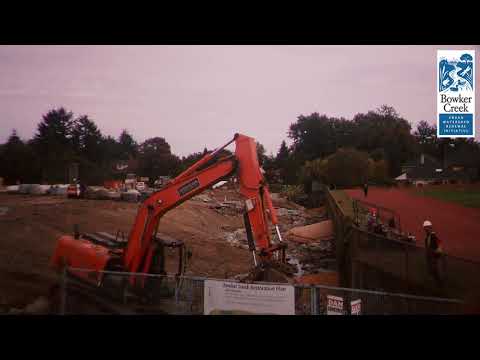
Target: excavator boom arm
[
  {"x": 138, "y": 254},
  {"x": 153, "y": 208},
  {"x": 196, "y": 179}
]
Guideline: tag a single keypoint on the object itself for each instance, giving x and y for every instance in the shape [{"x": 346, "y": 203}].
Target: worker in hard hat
[
  {"x": 371, "y": 219},
  {"x": 433, "y": 249}
]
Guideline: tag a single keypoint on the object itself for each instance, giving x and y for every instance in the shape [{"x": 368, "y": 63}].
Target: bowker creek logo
[{"x": 455, "y": 93}]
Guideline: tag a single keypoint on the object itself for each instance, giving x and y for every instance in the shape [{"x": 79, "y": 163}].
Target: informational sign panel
[
  {"x": 455, "y": 93},
  {"x": 334, "y": 305},
  {"x": 356, "y": 307},
  {"x": 231, "y": 298}
]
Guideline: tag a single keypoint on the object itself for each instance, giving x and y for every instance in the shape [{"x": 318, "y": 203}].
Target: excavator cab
[{"x": 169, "y": 260}]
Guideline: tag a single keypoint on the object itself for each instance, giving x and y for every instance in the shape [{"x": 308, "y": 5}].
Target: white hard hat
[{"x": 427, "y": 223}]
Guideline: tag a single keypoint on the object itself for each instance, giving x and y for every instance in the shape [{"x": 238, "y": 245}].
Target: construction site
[
  {"x": 328, "y": 252},
  {"x": 210, "y": 225},
  {"x": 371, "y": 215}
]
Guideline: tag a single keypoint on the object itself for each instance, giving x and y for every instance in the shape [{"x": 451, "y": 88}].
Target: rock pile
[
  {"x": 96, "y": 193},
  {"x": 36, "y": 189},
  {"x": 237, "y": 238},
  {"x": 130, "y": 195},
  {"x": 230, "y": 208},
  {"x": 308, "y": 234},
  {"x": 13, "y": 189},
  {"x": 58, "y": 189},
  {"x": 202, "y": 197},
  {"x": 313, "y": 246}
]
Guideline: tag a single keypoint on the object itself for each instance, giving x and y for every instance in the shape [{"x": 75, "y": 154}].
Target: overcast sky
[{"x": 197, "y": 96}]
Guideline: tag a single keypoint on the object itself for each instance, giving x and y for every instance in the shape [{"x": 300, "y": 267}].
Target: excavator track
[{"x": 81, "y": 298}]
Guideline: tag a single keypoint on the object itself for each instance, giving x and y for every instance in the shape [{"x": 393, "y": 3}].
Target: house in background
[
  {"x": 462, "y": 164},
  {"x": 402, "y": 179},
  {"x": 426, "y": 169},
  {"x": 124, "y": 167}
]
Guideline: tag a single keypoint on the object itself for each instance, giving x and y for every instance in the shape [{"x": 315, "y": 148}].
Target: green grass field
[{"x": 465, "y": 197}]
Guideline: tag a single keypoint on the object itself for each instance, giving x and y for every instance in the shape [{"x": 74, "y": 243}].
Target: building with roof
[{"x": 426, "y": 169}]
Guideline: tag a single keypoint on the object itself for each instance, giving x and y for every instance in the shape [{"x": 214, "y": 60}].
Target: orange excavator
[{"x": 143, "y": 252}]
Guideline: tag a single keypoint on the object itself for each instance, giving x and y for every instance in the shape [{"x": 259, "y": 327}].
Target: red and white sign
[
  {"x": 334, "y": 305},
  {"x": 356, "y": 307}
]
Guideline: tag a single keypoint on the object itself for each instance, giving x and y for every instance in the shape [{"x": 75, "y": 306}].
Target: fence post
[
  {"x": 63, "y": 291},
  {"x": 177, "y": 289},
  {"x": 355, "y": 212},
  {"x": 353, "y": 256},
  {"x": 313, "y": 300},
  {"x": 406, "y": 268}
]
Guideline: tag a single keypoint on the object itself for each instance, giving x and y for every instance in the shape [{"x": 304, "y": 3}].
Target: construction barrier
[{"x": 185, "y": 295}]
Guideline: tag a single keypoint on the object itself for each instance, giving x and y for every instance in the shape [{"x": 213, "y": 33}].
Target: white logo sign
[{"x": 455, "y": 93}]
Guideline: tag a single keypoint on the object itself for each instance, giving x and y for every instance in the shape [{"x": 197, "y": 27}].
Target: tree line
[
  {"x": 370, "y": 147},
  {"x": 62, "y": 139}
]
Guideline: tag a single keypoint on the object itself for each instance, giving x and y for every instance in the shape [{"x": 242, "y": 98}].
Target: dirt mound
[{"x": 312, "y": 233}]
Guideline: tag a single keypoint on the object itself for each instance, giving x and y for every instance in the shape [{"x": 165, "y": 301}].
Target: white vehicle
[{"x": 141, "y": 186}]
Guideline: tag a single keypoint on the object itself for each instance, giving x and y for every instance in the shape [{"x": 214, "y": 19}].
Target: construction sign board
[
  {"x": 231, "y": 298},
  {"x": 356, "y": 307},
  {"x": 334, "y": 305}
]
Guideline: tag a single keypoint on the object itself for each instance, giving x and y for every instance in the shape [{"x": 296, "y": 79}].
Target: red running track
[{"x": 457, "y": 226}]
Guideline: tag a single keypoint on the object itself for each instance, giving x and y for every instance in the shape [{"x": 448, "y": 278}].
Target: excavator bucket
[
  {"x": 270, "y": 275},
  {"x": 272, "y": 271}
]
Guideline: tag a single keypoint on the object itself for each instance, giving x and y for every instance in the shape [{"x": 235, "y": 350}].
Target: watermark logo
[{"x": 456, "y": 93}]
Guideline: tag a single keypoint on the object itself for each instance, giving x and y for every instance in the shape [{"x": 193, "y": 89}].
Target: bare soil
[{"x": 30, "y": 226}]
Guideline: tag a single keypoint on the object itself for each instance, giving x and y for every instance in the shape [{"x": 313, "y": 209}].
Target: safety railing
[
  {"x": 391, "y": 252},
  {"x": 383, "y": 216},
  {"x": 162, "y": 294}
]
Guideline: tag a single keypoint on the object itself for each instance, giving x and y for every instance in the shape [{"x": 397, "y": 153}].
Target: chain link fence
[
  {"x": 110, "y": 292},
  {"x": 327, "y": 300},
  {"x": 162, "y": 294}
]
